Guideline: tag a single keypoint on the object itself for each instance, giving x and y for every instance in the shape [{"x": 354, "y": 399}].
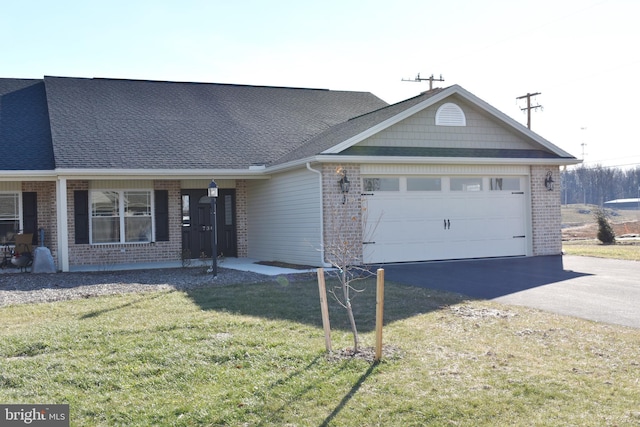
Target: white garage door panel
[{"x": 415, "y": 226}]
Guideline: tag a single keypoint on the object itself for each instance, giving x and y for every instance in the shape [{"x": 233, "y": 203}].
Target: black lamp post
[{"x": 212, "y": 192}]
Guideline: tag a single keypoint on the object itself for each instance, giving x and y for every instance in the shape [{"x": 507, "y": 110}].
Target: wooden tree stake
[{"x": 379, "y": 313}]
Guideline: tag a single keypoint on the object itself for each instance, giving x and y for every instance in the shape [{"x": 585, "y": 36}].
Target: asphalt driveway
[{"x": 603, "y": 290}]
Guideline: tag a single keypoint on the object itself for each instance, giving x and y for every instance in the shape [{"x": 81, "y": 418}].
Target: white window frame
[
  {"x": 496, "y": 183},
  {"x": 369, "y": 183},
  {"x": 122, "y": 216},
  {"x": 466, "y": 184}
]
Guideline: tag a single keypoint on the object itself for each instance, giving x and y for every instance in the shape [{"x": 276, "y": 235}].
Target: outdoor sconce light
[
  {"x": 212, "y": 192},
  {"x": 344, "y": 186},
  {"x": 548, "y": 181}
]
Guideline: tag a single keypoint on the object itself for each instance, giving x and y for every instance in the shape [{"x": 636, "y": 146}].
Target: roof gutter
[
  {"x": 447, "y": 160},
  {"x": 28, "y": 175},
  {"x": 324, "y": 263},
  {"x": 421, "y": 160},
  {"x": 96, "y": 174}
]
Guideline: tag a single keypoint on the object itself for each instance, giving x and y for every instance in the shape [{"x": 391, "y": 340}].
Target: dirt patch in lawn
[{"x": 590, "y": 231}]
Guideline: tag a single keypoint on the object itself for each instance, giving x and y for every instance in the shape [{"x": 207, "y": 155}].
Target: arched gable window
[{"x": 450, "y": 114}]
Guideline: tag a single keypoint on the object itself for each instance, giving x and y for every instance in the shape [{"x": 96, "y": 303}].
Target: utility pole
[
  {"x": 431, "y": 79},
  {"x": 584, "y": 188},
  {"x": 529, "y": 107},
  {"x": 583, "y": 144}
]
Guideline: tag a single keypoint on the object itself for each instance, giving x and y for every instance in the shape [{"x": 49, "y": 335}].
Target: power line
[{"x": 596, "y": 164}]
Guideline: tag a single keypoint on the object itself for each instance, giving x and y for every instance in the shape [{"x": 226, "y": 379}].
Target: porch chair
[{"x": 22, "y": 256}]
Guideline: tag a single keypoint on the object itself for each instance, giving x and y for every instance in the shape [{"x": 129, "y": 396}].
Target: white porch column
[{"x": 63, "y": 224}]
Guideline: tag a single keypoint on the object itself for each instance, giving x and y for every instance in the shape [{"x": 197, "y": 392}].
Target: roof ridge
[
  {"x": 124, "y": 79},
  {"x": 431, "y": 93}
]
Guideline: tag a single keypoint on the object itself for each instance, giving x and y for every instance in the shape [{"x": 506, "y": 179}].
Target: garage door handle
[
  {"x": 447, "y": 224},
  {"x": 519, "y": 237},
  {"x": 368, "y": 243}
]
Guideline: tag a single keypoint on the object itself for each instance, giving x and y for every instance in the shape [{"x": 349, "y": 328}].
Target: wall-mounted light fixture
[
  {"x": 344, "y": 186},
  {"x": 548, "y": 181}
]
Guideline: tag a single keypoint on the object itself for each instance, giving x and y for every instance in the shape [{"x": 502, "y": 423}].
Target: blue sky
[{"x": 581, "y": 55}]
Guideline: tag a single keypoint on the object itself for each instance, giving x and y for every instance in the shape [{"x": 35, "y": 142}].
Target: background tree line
[{"x": 598, "y": 184}]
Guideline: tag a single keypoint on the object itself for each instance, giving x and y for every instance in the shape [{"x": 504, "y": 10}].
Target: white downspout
[{"x": 324, "y": 264}]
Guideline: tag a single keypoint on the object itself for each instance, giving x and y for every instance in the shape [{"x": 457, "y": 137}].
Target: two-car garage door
[{"x": 449, "y": 217}]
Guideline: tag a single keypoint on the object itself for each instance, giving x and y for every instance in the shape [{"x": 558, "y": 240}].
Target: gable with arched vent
[{"x": 450, "y": 114}]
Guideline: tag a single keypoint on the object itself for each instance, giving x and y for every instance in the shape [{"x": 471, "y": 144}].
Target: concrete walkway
[
  {"x": 602, "y": 290},
  {"x": 242, "y": 264}
]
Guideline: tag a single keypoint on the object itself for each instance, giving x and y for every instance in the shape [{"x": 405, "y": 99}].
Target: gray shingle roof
[
  {"x": 106, "y": 123},
  {"x": 25, "y": 136},
  {"x": 73, "y": 123},
  {"x": 352, "y": 127}
]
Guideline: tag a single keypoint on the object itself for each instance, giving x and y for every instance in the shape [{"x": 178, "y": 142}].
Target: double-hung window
[
  {"x": 121, "y": 216},
  {"x": 9, "y": 216}
]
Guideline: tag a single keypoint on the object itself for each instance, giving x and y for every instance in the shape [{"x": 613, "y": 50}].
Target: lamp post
[{"x": 212, "y": 192}]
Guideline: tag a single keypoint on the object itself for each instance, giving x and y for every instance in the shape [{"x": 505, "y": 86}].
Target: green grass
[
  {"x": 254, "y": 355},
  {"x": 593, "y": 248}
]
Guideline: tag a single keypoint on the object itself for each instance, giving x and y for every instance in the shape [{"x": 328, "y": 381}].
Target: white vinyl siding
[{"x": 284, "y": 218}]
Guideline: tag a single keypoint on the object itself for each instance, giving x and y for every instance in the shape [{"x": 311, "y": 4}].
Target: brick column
[
  {"x": 545, "y": 211},
  {"x": 242, "y": 228},
  {"x": 47, "y": 212},
  {"x": 342, "y": 221}
]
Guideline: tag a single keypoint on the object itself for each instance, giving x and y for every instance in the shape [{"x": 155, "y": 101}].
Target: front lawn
[
  {"x": 629, "y": 251},
  {"x": 253, "y": 355}
]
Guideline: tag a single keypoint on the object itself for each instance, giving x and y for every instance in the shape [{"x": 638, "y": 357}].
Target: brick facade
[
  {"x": 47, "y": 212},
  {"x": 242, "y": 229},
  {"x": 125, "y": 253},
  {"x": 545, "y": 211},
  {"x": 342, "y": 221}
]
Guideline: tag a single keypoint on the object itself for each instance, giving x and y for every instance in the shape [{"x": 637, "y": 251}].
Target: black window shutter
[
  {"x": 162, "y": 215},
  {"x": 81, "y": 206},
  {"x": 30, "y": 214}
]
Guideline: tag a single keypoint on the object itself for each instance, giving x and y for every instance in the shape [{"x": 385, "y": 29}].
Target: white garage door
[{"x": 427, "y": 218}]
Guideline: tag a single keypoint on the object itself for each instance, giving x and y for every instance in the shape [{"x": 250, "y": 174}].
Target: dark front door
[{"x": 196, "y": 224}]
